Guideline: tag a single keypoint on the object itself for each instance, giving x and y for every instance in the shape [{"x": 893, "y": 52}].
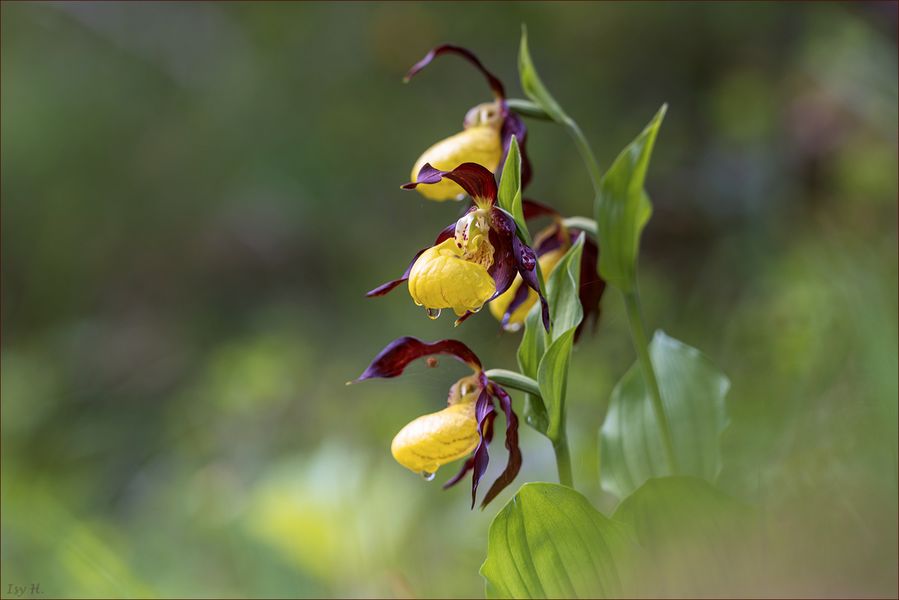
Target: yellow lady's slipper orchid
[
  {"x": 487, "y": 134},
  {"x": 474, "y": 259},
  {"x": 464, "y": 428}
]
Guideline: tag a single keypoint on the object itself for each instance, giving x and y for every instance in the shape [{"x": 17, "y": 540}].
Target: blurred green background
[{"x": 196, "y": 196}]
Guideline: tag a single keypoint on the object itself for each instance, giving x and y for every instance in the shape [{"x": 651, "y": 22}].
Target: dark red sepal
[
  {"x": 592, "y": 285},
  {"x": 514, "y": 463},
  {"x": 384, "y": 288},
  {"x": 527, "y": 267},
  {"x": 495, "y": 84},
  {"x": 483, "y": 410},
  {"x": 533, "y": 209},
  {"x": 393, "y": 359},
  {"x": 469, "y": 462},
  {"x": 477, "y": 181},
  {"x": 514, "y": 125}
]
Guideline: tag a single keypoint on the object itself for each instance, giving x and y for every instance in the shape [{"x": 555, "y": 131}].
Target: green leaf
[
  {"x": 530, "y": 351},
  {"x": 549, "y": 542},
  {"x": 509, "y": 194},
  {"x": 552, "y": 376},
  {"x": 532, "y": 85},
  {"x": 692, "y": 534},
  {"x": 566, "y": 313},
  {"x": 693, "y": 393},
  {"x": 623, "y": 208},
  {"x": 563, "y": 291}
]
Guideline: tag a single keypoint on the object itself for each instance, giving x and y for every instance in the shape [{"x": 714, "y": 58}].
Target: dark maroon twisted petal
[
  {"x": 469, "y": 463},
  {"x": 514, "y": 125},
  {"x": 495, "y": 84},
  {"x": 533, "y": 209},
  {"x": 548, "y": 243},
  {"x": 514, "y": 463},
  {"x": 392, "y": 360},
  {"x": 483, "y": 408},
  {"x": 521, "y": 294},
  {"x": 477, "y": 181},
  {"x": 384, "y": 288},
  {"x": 511, "y": 256},
  {"x": 592, "y": 285},
  {"x": 527, "y": 268},
  {"x": 503, "y": 268}
]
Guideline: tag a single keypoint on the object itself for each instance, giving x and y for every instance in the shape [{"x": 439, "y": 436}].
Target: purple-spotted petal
[
  {"x": 511, "y": 256},
  {"x": 477, "y": 181},
  {"x": 514, "y": 463},
  {"x": 495, "y": 84},
  {"x": 384, "y": 288},
  {"x": 526, "y": 261},
  {"x": 394, "y": 358}
]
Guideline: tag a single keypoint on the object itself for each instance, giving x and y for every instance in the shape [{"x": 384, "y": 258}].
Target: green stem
[
  {"x": 514, "y": 380},
  {"x": 526, "y": 108},
  {"x": 635, "y": 318},
  {"x": 563, "y": 460},
  {"x": 523, "y": 383},
  {"x": 582, "y": 223}
]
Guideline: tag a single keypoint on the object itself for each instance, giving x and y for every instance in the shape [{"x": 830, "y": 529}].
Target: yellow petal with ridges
[
  {"x": 479, "y": 144},
  {"x": 433, "y": 440},
  {"x": 441, "y": 278}
]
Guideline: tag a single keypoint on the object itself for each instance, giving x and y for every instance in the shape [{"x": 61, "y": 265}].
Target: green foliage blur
[{"x": 196, "y": 196}]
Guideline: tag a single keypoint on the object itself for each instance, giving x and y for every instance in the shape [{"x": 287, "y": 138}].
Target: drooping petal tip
[
  {"x": 393, "y": 359},
  {"x": 495, "y": 84},
  {"x": 477, "y": 181}
]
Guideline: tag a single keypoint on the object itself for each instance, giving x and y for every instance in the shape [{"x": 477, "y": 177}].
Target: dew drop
[
  {"x": 427, "y": 476},
  {"x": 433, "y": 313}
]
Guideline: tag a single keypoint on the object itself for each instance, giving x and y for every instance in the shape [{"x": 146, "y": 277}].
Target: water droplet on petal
[
  {"x": 427, "y": 476},
  {"x": 433, "y": 313}
]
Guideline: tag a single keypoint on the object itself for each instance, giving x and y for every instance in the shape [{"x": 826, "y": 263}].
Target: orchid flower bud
[{"x": 479, "y": 142}]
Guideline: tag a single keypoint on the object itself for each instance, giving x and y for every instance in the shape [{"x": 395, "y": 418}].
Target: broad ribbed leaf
[
  {"x": 693, "y": 393},
  {"x": 693, "y": 535},
  {"x": 623, "y": 208},
  {"x": 549, "y": 542},
  {"x": 509, "y": 195}
]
